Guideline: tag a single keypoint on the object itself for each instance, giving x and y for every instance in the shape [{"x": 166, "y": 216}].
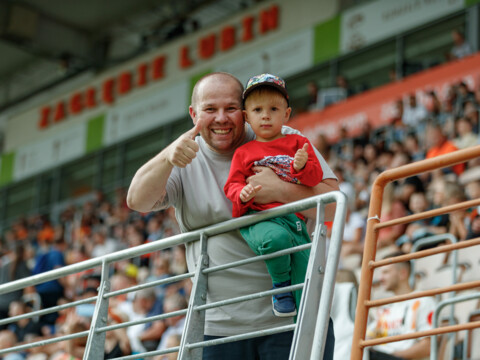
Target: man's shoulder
[{"x": 287, "y": 130}]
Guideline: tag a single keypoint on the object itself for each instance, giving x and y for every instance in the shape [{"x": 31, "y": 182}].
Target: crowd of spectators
[
  {"x": 417, "y": 131},
  {"x": 100, "y": 226}
]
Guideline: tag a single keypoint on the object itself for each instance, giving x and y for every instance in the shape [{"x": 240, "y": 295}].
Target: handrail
[
  {"x": 374, "y": 224},
  {"x": 436, "y": 315},
  {"x": 321, "y": 307},
  {"x": 172, "y": 241}
]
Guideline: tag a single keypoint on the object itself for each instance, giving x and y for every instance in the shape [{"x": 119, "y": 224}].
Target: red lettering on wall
[
  {"x": 269, "y": 19},
  {"x": 91, "y": 98},
  {"x": 107, "y": 91},
  {"x": 227, "y": 38},
  {"x": 125, "y": 83},
  {"x": 44, "y": 117},
  {"x": 158, "y": 67},
  {"x": 59, "y": 112},
  {"x": 247, "y": 26},
  {"x": 142, "y": 74},
  {"x": 206, "y": 46},
  {"x": 185, "y": 60},
  {"x": 76, "y": 103}
]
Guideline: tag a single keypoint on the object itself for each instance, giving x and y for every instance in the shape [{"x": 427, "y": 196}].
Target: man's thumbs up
[{"x": 183, "y": 150}]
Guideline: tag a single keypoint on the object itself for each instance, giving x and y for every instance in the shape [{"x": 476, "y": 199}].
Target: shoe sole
[{"x": 280, "y": 314}]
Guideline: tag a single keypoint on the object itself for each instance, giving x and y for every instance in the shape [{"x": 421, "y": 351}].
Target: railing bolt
[
  {"x": 323, "y": 231},
  {"x": 204, "y": 296},
  {"x": 321, "y": 269}
]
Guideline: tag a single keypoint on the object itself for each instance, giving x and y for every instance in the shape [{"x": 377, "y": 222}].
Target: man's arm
[
  {"x": 147, "y": 189},
  {"x": 419, "y": 350},
  {"x": 275, "y": 189}
]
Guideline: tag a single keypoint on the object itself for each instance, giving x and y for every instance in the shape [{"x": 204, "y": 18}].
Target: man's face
[
  {"x": 218, "y": 105},
  {"x": 389, "y": 277}
]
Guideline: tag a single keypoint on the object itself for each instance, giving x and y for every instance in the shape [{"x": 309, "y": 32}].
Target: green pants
[{"x": 276, "y": 234}]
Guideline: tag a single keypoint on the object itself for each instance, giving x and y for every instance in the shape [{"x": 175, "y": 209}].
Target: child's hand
[
  {"x": 249, "y": 192},
  {"x": 301, "y": 157}
]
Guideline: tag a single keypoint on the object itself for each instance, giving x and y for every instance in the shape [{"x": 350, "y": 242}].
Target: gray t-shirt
[{"x": 196, "y": 192}]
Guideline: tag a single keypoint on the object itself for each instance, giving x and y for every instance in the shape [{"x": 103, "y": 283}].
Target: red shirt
[
  {"x": 278, "y": 155},
  {"x": 445, "y": 148}
]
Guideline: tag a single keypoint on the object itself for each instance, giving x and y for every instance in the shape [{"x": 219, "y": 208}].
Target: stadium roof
[{"x": 45, "y": 42}]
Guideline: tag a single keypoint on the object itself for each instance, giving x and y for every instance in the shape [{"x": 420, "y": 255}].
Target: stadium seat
[{"x": 342, "y": 313}]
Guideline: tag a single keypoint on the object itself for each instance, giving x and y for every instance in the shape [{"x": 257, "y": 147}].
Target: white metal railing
[{"x": 314, "y": 311}]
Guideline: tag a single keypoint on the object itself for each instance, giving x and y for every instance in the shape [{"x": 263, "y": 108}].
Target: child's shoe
[{"x": 284, "y": 303}]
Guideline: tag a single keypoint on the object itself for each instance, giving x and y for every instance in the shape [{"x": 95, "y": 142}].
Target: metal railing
[
  {"x": 369, "y": 264},
  {"x": 314, "y": 310}
]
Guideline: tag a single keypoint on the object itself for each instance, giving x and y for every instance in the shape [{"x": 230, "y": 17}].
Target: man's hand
[
  {"x": 183, "y": 150},
  {"x": 249, "y": 192},
  {"x": 301, "y": 157}
]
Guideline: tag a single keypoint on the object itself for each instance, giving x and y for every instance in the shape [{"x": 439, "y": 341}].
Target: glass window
[
  {"x": 109, "y": 170},
  {"x": 142, "y": 149},
  {"x": 369, "y": 68},
  {"x": 430, "y": 46},
  {"x": 47, "y": 182},
  {"x": 20, "y": 199},
  {"x": 303, "y": 89},
  {"x": 180, "y": 127},
  {"x": 78, "y": 178}
]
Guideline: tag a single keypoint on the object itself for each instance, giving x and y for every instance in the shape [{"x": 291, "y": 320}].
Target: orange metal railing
[{"x": 369, "y": 264}]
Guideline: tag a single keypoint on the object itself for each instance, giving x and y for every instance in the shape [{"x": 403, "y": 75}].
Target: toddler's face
[{"x": 266, "y": 112}]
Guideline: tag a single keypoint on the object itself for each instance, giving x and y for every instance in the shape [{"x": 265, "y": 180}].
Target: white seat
[{"x": 342, "y": 313}]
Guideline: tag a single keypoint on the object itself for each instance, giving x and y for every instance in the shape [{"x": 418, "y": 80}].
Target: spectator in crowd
[
  {"x": 392, "y": 208},
  {"x": 175, "y": 324},
  {"x": 8, "y": 340},
  {"x": 465, "y": 136},
  {"x": 12, "y": 267},
  {"x": 23, "y": 327},
  {"x": 143, "y": 305},
  {"x": 401, "y": 317},
  {"x": 50, "y": 257},
  {"x": 342, "y": 82},
  {"x": 438, "y": 144},
  {"x": 470, "y": 112},
  {"x": 414, "y": 114},
  {"x": 117, "y": 343},
  {"x": 312, "y": 89},
  {"x": 461, "y": 47},
  {"x": 102, "y": 244}
]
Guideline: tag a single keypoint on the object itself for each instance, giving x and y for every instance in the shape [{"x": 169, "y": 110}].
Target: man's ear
[{"x": 192, "y": 113}]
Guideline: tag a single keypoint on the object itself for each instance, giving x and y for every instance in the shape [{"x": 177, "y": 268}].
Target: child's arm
[
  {"x": 236, "y": 184},
  {"x": 305, "y": 166},
  {"x": 301, "y": 157}
]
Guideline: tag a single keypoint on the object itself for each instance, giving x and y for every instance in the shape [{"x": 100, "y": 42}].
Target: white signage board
[
  {"x": 53, "y": 151},
  {"x": 142, "y": 114},
  {"x": 378, "y": 20},
  {"x": 284, "y": 57}
]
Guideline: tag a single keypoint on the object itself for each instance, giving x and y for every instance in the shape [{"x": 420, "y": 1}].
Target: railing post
[
  {"x": 95, "y": 348},
  {"x": 195, "y": 320},
  {"x": 302, "y": 345}
]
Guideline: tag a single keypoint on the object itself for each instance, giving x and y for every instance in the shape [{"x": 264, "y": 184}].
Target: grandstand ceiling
[{"x": 44, "y": 42}]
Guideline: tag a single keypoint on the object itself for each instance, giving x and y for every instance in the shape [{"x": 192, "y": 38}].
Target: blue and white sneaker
[{"x": 284, "y": 303}]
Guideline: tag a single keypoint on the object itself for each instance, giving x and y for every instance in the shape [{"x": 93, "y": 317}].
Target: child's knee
[{"x": 276, "y": 240}]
